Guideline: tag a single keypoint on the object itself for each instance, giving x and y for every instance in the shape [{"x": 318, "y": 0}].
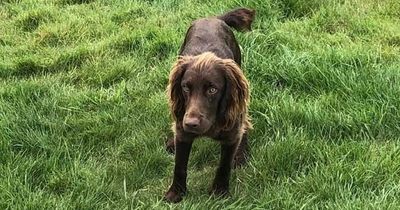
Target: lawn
[{"x": 84, "y": 113}]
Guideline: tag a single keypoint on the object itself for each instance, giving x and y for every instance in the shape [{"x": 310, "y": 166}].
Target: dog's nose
[{"x": 192, "y": 122}]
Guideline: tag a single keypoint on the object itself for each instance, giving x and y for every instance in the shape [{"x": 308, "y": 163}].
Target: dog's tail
[{"x": 239, "y": 19}]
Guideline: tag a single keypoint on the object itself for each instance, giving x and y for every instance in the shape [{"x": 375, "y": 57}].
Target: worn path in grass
[{"x": 83, "y": 111}]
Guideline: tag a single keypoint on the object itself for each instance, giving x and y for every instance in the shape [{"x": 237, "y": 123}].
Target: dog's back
[{"x": 214, "y": 34}]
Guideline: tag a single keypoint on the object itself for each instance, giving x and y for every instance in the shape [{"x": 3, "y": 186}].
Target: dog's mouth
[
  {"x": 193, "y": 130},
  {"x": 197, "y": 131}
]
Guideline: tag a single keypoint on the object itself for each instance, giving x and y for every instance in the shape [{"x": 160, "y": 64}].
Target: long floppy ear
[
  {"x": 176, "y": 98},
  {"x": 234, "y": 103}
]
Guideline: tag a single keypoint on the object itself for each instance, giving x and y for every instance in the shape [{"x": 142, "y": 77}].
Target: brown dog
[{"x": 208, "y": 96}]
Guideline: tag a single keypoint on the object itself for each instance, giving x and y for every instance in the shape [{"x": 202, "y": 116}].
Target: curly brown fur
[{"x": 209, "y": 96}]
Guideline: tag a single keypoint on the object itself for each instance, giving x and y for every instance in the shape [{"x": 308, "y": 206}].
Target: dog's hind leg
[
  {"x": 242, "y": 152},
  {"x": 170, "y": 145}
]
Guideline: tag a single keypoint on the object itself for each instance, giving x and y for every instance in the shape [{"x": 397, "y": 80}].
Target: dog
[{"x": 209, "y": 96}]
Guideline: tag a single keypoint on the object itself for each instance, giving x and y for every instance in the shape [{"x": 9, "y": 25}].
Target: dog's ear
[
  {"x": 176, "y": 98},
  {"x": 236, "y": 96}
]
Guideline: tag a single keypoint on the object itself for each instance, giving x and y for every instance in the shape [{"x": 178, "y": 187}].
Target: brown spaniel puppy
[{"x": 209, "y": 96}]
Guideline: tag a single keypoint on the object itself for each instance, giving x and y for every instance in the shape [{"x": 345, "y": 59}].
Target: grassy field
[{"x": 84, "y": 114}]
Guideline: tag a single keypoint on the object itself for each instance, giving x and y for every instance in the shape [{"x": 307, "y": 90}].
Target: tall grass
[{"x": 84, "y": 116}]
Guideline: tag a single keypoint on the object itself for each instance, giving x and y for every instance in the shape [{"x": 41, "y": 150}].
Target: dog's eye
[
  {"x": 212, "y": 90},
  {"x": 185, "y": 88}
]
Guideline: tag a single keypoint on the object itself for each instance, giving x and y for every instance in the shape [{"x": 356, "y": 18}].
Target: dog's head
[{"x": 206, "y": 91}]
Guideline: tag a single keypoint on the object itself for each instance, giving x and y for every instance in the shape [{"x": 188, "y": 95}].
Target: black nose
[{"x": 192, "y": 122}]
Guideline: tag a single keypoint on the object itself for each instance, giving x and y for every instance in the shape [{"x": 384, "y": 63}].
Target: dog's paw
[
  {"x": 219, "y": 191},
  {"x": 173, "y": 197},
  {"x": 170, "y": 145}
]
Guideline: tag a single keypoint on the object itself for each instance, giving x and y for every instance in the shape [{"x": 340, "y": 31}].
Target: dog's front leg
[
  {"x": 220, "y": 185},
  {"x": 183, "y": 145}
]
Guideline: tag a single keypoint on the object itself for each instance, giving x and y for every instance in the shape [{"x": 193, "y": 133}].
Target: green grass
[{"x": 84, "y": 114}]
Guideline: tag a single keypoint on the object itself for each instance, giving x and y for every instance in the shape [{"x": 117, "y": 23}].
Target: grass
[{"x": 84, "y": 115}]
